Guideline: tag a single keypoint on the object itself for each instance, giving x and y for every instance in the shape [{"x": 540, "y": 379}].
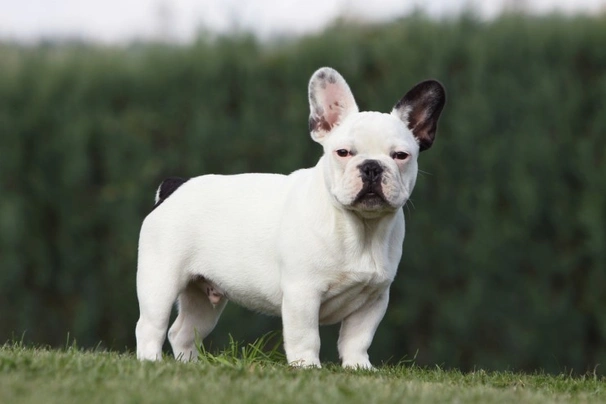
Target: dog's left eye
[{"x": 400, "y": 155}]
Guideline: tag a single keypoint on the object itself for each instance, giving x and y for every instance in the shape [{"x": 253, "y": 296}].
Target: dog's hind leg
[
  {"x": 157, "y": 294},
  {"x": 199, "y": 312}
]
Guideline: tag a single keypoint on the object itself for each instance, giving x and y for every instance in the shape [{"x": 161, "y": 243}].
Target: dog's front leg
[
  {"x": 300, "y": 319},
  {"x": 358, "y": 330}
]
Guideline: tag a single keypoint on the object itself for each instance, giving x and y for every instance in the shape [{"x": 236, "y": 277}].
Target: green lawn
[{"x": 245, "y": 375}]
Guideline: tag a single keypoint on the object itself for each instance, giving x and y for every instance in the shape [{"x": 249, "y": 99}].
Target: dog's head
[{"x": 371, "y": 157}]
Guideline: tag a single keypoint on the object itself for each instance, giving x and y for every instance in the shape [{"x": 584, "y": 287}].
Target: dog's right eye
[{"x": 342, "y": 153}]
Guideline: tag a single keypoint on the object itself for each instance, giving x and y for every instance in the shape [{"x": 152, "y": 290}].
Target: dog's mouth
[{"x": 370, "y": 197}]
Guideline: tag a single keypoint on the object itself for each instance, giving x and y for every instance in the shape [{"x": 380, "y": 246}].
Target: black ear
[{"x": 420, "y": 109}]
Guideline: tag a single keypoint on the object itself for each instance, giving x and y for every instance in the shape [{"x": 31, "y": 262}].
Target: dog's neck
[{"x": 374, "y": 230}]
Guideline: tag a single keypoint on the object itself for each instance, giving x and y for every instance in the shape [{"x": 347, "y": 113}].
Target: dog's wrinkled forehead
[{"x": 374, "y": 132}]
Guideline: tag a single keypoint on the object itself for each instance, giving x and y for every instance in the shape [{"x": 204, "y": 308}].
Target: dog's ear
[
  {"x": 420, "y": 109},
  {"x": 330, "y": 101}
]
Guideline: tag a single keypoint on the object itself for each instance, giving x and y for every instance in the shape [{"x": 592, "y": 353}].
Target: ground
[{"x": 249, "y": 374}]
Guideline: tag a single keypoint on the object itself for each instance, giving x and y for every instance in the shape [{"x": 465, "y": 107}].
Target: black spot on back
[{"x": 167, "y": 188}]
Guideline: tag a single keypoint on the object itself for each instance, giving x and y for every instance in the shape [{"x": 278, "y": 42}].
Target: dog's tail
[{"x": 167, "y": 188}]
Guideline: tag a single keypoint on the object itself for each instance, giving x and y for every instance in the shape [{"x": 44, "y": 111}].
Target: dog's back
[{"x": 222, "y": 225}]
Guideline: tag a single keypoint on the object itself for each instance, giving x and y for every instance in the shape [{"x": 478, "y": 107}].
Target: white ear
[{"x": 330, "y": 101}]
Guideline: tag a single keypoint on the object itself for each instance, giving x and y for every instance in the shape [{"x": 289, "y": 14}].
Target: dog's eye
[
  {"x": 400, "y": 155},
  {"x": 342, "y": 153}
]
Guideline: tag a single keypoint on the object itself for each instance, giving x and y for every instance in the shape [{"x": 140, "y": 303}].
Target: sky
[{"x": 120, "y": 21}]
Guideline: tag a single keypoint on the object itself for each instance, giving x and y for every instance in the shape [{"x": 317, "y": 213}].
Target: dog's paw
[
  {"x": 149, "y": 356},
  {"x": 305, "y": 364},
  {"x": 362, "y": 364}
]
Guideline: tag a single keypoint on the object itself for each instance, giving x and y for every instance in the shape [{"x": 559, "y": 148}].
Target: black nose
[{"x": 370, "y": 170}]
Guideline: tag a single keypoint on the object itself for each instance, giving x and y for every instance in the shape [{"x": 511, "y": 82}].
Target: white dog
[{"x": 318, "y": 246}]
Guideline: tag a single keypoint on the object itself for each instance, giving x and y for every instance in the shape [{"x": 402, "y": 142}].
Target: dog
[{"x": 319, "y": 246}]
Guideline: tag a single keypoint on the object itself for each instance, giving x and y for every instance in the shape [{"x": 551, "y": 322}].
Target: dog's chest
[{"x": 346, "y": 292}]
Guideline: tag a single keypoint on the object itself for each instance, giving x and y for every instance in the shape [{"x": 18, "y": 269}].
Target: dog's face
[
  {"x": 371, "y": 157},
  {"x": 371, "y": 163}
]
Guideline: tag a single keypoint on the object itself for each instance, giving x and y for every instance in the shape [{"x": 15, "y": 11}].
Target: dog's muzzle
[{"x": 371, "y": 195}]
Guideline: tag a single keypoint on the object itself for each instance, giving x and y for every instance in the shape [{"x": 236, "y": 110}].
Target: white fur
[{"x": 298, "y": 246}]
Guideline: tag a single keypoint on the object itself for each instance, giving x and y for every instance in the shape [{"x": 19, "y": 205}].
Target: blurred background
[{"x": 504, "y": 264}]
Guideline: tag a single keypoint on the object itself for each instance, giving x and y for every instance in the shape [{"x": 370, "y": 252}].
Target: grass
[{"x": 255, "y": 374}]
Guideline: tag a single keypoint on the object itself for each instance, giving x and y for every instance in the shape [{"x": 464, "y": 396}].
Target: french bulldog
[{"x": 319, "y": 246}]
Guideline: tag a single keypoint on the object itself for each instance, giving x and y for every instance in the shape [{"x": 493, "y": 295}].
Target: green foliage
[
  {"x": 74, "y": 376},
  {"x": 504, "y": 262},
  {"x": 239, "y": 355}
]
